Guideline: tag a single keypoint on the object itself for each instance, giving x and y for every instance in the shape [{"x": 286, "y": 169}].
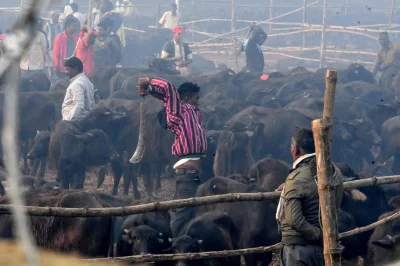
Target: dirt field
[{"x": 165, "y": 193}]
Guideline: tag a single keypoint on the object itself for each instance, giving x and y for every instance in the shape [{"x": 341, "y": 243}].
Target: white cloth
[
  {"x": 81, "y": 17},
  {"x": 300, "y": 159},
  {"x": 169, "y": 21},
  {"x": 182, "y": 161},
  {"x": 68, "y": 11},
  {"x": 96, "y": 16},
  {"x": 34, "y": 58},
  {"x": 280, "y": 204},
  {"x": 179, "y": 53},
  {"x": 79, "y": 98},
  {"x": 119, "y": 6}
]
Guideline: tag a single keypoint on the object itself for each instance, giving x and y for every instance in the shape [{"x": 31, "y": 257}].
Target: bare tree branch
[
  {"x": 173, "y": 204},
  {"x": 15, "y": 45}
]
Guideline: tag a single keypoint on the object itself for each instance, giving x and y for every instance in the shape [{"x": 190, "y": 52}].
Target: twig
[
  {"x": 15, "y": 45},
  {"x": 230, "y": 253},
  {"x": 173, "y": 204},
  {"x": 242, "y": 29},
  {"x": 192, "y": 256},
  {"x": 371, "y": 226}
]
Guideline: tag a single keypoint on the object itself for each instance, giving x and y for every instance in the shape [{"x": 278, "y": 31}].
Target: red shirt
[
  {"x": 60, "y": 50},
  {"x": 85, "y": 53},
  {"x": 183, "y": 120}
]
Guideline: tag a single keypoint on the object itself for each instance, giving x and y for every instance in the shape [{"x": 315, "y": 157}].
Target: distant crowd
[{"x": 97, "y": 39}]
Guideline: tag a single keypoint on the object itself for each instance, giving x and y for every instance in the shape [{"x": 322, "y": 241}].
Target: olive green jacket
[{"x": 300, "y": 217}]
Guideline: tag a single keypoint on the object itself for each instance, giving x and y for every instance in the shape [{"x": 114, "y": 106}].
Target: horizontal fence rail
[
  {"x": 173, "y": 204},
  {"x": 238, "y": 252}
]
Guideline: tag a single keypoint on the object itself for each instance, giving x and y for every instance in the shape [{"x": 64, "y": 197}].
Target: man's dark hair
[
  {"x": 187, "y": 89},
  {"x": 74, "y": 7},
  {"x": 74, "y": 62},
  {"x": 303, "y": 138},
  {"x": 105, "y": 23},
  {"x": 69, "y": 20},
  {"x": 106, "y": 7}
]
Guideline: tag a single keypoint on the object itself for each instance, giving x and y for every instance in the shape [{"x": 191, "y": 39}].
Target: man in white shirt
[
  {"x": 79, "y": 98},
  {"x": 34, "y": 59},
  {"x": 178, "y": 52},
  {"x": 96, "y": 14},
  {"x": 125, "y": 8},
  {"x": 170, "y": 19}
]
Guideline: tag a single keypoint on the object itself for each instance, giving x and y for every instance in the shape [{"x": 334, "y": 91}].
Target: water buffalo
[
  {"x": 87, "y": 236},
  {"x": 40, "y": 152},
  {"x": 74, "y": 146},
  {"x": 269, "y": 173},
  {"x": 212, "y": 231},
  {"x": 384, "y": 242},
  {"x": 256, "y": 220},
  {"x": 143, "y": 240}
]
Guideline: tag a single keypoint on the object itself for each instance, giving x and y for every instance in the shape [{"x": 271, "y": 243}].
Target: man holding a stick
[
  {"x": 190, "y": 145},
  {"x": 388, "y": 55},
  {"x": 298, "y": 211}
]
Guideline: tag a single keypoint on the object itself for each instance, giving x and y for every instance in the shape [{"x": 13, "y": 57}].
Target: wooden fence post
[
  {"x": 304, "y": 21},
  {"x": 322, "y": 130},
  {"x": 321, "y": 59},
  {"x": 179, "y": 10},
  {"x": 89, "y": 16},
  {"x": 193, "y": 17},
  {"x": 233, "y": 31},
  {"x": 157, "y": 13},
  {"x": 270, "y": 13},
  {"x": 392, "y": 12}
]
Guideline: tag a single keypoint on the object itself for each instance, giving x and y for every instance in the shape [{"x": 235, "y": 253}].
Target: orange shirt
[{"x": 85, "y": 53}]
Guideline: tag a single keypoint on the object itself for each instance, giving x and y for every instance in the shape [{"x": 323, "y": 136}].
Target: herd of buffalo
[{"x": 249, "y": 124}]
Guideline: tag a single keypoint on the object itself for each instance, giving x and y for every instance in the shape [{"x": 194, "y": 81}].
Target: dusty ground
[{"x": 165, "y": 193}]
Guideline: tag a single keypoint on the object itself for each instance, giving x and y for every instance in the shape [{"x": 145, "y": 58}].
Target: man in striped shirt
[{"x": 190, "y": 145}]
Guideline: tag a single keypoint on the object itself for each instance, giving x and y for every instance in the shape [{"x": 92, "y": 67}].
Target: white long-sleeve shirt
[{"x": 79, "y": 98}]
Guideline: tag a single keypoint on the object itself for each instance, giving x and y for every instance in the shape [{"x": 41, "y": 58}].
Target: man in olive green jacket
[{"x": 298, "y": 210}]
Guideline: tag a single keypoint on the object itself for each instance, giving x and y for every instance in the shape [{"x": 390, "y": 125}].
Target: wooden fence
[
  {"x": 191, "y": 202},
  {"x": 173, "y": 204}
]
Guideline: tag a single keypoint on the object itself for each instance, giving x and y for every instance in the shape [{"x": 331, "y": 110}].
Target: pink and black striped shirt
[{"x": 183, "y": 120}]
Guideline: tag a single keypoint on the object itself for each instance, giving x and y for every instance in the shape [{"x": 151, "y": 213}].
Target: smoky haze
[{"x": 284, "y": 32}]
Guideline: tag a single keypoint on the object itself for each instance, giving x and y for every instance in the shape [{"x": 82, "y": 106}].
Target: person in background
[
  {"x": 252, "y": 48},
  {"x": 298, "y": 212},
  {"x": 2, "y": 37},
  {"x": 52, "y": 29},
  {"x": 64, "y": 45},
  {"x": 79, "y": 97},
  {"x": 107, "y": 52},
  {"x": 178, "y": 52},
  {"x": 34, "y": 58},
  {"x": 170, "y": 19},
  {"x": 96, "y": 14},
  {"x": 117, "y": 26},
  {"x": 68, "y": 9},
  {"x": 84, "y": 49},
  {"x": 125, "y": 8},
  {"x": 389, "y": 54},
  {"x": 190, "y": 145},
  {"x": 78, "y": 15}
]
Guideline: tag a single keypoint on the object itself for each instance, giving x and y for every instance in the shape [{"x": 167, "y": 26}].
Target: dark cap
[{"x": 383, "y": 35}]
